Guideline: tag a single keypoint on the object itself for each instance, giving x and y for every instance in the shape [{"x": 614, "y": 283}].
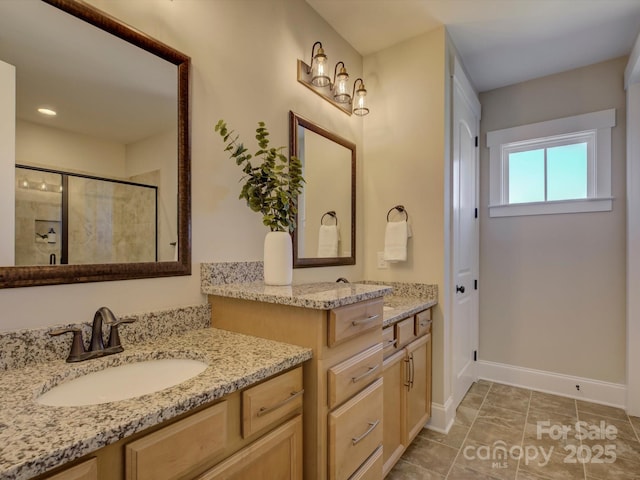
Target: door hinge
[
  {"x": 476, "y": 140},
  {"x": 475, "y": 213},
  {"x": 475, "y": 355},
  {"x": 475, "y": 284}
]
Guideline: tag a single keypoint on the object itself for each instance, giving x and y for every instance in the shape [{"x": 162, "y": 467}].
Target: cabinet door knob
[{"x": 459, "y": 288}]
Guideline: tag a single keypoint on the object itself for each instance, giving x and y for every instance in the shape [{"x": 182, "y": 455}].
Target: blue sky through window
[
  {"x": 526, "y": 176},
  {"x": 566, "y": 174}
]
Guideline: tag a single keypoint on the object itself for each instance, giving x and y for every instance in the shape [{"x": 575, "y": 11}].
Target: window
[{"x": 559, "y": 166}]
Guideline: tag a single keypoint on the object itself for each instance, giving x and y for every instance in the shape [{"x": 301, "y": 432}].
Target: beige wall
[
  {"x": 243, "y": 70},
  {"x": 405, "y": 164},
  {"x": 327, "y": 171},
  {"x": 42, "y": 146},
  {"x": 7, "y": 155},
  {"x": 552, "y": 293},
  {"x": 155, "y": 158}
]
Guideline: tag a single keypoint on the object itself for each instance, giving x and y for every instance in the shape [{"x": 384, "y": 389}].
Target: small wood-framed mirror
[
  {"x": 123, "y": 101},
  {"x": 325, "y": 233}
]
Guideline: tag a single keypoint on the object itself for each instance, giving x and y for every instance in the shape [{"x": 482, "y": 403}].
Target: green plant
[{"x": 273, "y": 186}]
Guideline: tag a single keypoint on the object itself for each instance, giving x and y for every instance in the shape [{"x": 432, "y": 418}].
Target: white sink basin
[{"x": 122, "y": 382}]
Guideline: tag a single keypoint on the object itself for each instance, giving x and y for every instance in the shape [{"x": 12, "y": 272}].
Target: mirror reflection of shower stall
[{"x": 68, "y": 218}]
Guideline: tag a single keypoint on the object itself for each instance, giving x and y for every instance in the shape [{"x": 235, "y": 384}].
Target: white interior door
[
  {"x": 7, "y": 162},
  {"x": 465, "y": 238}
]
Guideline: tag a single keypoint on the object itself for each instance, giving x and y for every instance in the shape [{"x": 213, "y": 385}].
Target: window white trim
[{"x": 599, "y": 175}]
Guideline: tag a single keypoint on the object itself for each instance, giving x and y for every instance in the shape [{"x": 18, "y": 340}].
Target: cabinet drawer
[
  {"x": 389, "y": 341},
  {"x": 85, "y": 471},
  {"x": 352, "y": 375},
  {"x": 371, "y": 469},
  {"x": 355, "y": 432},
  {"x": 271, "y": 401},
  {"x": 423, "y": 322},
  {"x": 351, "y": 320},
  {"x": 175, "y": 450},
  {"x": 405, "y": 331}
]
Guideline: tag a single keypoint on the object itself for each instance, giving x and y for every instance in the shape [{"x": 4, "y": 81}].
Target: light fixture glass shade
[
  {"x": 341, "y": 89},
  {"x": 319, "y": 72},
  {"x": 359, "y": 101}
]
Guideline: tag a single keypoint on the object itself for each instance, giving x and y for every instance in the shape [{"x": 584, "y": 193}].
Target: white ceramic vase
[{"x": 278, "y": 259}]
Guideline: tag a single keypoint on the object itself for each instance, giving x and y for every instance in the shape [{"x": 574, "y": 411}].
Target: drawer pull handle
[
  {"x": 372, "y": 426},
  {"x": 368, "y": 319},
  {"x": 365, "y": 374},
  {"x": 266, "y": 410},
  {"x": 390, "y": 343}
]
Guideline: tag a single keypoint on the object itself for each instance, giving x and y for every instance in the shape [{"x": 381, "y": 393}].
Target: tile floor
[{"x": 495, "y": 423}]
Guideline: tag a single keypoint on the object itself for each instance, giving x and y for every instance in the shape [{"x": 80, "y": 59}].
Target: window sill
[{"x": 552, "y": 208}]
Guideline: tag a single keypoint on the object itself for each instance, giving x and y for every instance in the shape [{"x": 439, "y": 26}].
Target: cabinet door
[
  {"x": 393, "y": 413},
  {"x": 173, "y": 451},
  {"x": 417, "y": 376},
  {"x": 276, "y": 456}
]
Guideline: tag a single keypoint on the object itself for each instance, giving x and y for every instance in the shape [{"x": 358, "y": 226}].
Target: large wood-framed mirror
[
  {"x": 325, "y": 233},
  {"x": 101, "y": 190}
]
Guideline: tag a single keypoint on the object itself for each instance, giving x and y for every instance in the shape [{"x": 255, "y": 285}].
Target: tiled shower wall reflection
[
  {"x": 109, "y": 222},
  {"x": 38, "y": 209}
]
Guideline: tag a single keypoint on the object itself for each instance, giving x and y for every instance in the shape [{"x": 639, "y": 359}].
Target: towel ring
[
  {"x": 401, "y": 209},
  {"x": 331, "y": 214}
]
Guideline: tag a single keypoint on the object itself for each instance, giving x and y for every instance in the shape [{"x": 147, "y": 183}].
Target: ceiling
[
  {"x": 501, "y": 42},
  {"x": 100, "y": 85}
]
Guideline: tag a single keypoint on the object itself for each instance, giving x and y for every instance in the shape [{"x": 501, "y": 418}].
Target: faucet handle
[
  {"x": 77, "y": 345},
  {"x": 114, "y": 336}
]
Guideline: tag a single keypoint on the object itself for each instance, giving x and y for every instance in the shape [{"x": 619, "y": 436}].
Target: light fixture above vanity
[{"x": 316, "y": 77}]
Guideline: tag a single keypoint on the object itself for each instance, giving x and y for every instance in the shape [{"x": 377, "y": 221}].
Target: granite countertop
[
  {"x": 36, "y": 438},
  {"x": 398, "y": 307},
  {"x": 321, "y": 296}
]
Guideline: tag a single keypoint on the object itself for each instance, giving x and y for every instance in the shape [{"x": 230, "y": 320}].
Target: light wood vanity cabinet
[
  {"x": 407, "y": 384},
  {"x": 248, "y": 435},
  {"x": 343, "y": 399},
  {"x": 180, "y": 450}
]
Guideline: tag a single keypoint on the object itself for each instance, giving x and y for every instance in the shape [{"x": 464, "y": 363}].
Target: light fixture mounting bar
[{"x": 304, "y": 78}]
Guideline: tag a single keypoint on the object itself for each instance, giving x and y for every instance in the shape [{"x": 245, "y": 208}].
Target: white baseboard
[
  {"x": 613, "y": 394},
  {"x": 442, "y": 416}
]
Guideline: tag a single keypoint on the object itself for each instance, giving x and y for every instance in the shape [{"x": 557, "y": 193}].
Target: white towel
[
  {"x": 395, "y": 241},
  {"x": 328, "y": 238}
]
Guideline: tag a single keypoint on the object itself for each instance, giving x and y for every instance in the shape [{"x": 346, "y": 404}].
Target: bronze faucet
[{"x": 96, "y": 347}]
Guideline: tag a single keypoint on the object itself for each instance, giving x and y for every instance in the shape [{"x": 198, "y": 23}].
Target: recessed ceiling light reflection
[{"x": 48, "y": 112}]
